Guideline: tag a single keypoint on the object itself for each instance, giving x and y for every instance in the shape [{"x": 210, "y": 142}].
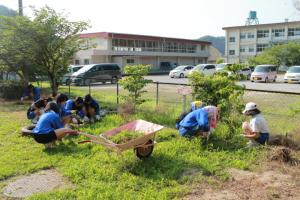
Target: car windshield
[
  {"x": 261, "y": 69},
  {"x": 198, "y": 67},
  {"x": 180, "y": 68},
  {"x": 84, "y": 69},
  {"x": 294, "y": 70},
  {"x": 220, "y": 66},
  {"x": 75, "y": 69}
]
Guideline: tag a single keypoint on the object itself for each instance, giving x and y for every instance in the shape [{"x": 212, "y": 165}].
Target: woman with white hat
[{"x": 257, "y": 130}]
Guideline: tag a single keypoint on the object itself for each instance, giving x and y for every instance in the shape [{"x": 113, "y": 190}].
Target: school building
[
  {"x": 243, "y": 42},
  {"x": 161, "y": 53}
]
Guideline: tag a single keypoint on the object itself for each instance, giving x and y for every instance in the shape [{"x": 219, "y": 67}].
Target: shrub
[
  {"x": 135, "y": 82},
  {"x": 218, "y": 90},
  {"x": 11, "y": 90}
]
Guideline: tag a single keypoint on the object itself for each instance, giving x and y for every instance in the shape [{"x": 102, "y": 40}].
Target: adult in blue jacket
[
  {"x": 49, "y": 127},
  {"x": 31, "y": 92},
  {"x": 193, "y": 123},
  {"x": 91, "y": 108}
]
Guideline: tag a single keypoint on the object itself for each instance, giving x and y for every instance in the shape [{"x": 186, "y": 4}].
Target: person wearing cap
[
  {"x": 49, "y": 127},
  {"x": 31, "y": 92},
  {"x": 257, "y": 130},
  {"x": 91, "y": 109},
  {"x": 196, "y": 105},
  {"x": 194, "y": 123}
]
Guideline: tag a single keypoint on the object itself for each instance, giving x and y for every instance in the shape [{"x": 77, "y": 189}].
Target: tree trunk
[{"x": 54, "y": 86}]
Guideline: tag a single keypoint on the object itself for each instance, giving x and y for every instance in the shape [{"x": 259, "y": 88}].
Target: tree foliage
[
  {"x": 217, "y": 90},
  {"x": 220, "y": 60},
  {"x": 285, "y": 54},
  {"x": 135, "y": 82},
  {"x": 44, "y": 45}
]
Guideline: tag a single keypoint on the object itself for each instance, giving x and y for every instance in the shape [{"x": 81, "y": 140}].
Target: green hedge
[{"x": 11, "y": 90}]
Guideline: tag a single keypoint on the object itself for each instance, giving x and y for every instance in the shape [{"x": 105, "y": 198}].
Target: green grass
[{"x": 97, "y": 173}]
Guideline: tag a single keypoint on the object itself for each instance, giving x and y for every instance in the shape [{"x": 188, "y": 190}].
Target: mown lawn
[{"x": 97, "y": 173}]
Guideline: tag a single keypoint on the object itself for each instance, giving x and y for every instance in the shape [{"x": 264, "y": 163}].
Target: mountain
[
  {"x": 7, "y": 11},
  {"x": 217, "y": 42}
]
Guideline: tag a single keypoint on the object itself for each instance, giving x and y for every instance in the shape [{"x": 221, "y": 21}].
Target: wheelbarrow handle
[{"x": 84, "y": 141}]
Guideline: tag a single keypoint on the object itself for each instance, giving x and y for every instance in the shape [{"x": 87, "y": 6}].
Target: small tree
[
  {"x": 217, "y": 90},
  {"x": 135, "y": 82},
  {"x": 220, "y": 60}
]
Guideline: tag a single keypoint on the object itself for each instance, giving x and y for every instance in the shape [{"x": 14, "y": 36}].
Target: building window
[
  {"x": 130, "y": 61},
  {"x": 294, "y": 32},
  {"x": 251, "y": 35},
  {"x": 243, "y": 36},
  {"x": 243, "y": 49},
  {"x": 77, "y": 62},
  {"x": 262, "y": 33},
  {"x": 278, "y": 32},
  {"x": 231, "y": 52},
  {"x": 86, "y": 61},
  {"x": 202, "y": 47},
  {"x": 232, "y": 39},
  {"x": 261, "y": 47},
  {"x": 251, "y": 49}
]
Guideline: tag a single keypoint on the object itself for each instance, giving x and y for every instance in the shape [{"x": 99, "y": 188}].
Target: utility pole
[{"x": 21, "y": 7}]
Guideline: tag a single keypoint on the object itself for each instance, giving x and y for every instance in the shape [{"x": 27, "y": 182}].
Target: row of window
[
  {"x": 159, "y": 46},
  {"x": 266, "y": 33},
  {"x": 85, "y": 62},
  {"x": 259, "y": 48}
]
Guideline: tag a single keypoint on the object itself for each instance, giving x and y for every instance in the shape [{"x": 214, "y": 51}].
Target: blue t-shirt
[
  {"x": 48, "y": 122},
  {"x": 36, "y": 94},
  {"x": 94, "y": 104},
  {"x": 70, "y": 105},
  {"x": 195, "y": 118}
]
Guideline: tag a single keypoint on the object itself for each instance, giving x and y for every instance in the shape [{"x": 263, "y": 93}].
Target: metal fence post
[
  {"x": 69, "y": 89},
  {"x": 117, "y": 92},
  {"x": 89, "y": 88},
  {"x": 157, "y": 93}
]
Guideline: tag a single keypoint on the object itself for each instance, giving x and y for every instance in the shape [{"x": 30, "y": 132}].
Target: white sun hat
[{"x": 250, "y": 106}]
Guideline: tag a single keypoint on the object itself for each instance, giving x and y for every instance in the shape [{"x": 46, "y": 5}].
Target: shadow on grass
[{"x": 161, "y": 167}]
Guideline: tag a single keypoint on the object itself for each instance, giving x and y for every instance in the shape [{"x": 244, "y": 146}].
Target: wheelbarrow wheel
[
  {"x": 144, "y": 152},
  {"x": 27, "y": 130}
]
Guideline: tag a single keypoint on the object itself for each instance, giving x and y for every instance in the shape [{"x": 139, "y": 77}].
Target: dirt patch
[
  {"x": 43, "y": 181},
  {"x": 284, "y": 140},
  {"x": 273, "y": 183}
]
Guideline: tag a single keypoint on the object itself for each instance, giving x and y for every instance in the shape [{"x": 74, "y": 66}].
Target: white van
[
  {"x": 264, "y": 73},
  {"x": 206, "y": 69}
]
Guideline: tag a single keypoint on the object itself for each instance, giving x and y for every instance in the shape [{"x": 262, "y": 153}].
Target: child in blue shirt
[
  {"x": 91, "y": 109},
  {"x": 31, "y": 92},
  {"x": 193, "y": 123},
  {"x": 49, "y": 127}
]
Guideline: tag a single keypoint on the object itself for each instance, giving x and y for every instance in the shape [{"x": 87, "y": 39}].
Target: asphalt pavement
[{"x": 277, "y": 86}]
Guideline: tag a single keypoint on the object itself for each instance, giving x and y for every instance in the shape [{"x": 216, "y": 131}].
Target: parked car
[
  {"x": 180, "y": 71},
  {"x": 292, "y": 75},
  {"x": 264, "y": 73},
  {"x": 222, "y": 66},
  {"x": 66, "y": 79},
  {"x": 246, "y": 72},
  {"x": 97, "y": 73},
  {"x": 206, "y": 69}
]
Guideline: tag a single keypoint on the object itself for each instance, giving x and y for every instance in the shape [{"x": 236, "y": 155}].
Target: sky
[{"x": 188, "y": 19}]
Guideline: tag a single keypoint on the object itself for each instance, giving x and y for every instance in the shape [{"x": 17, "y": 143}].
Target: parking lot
[{"x": 277, "y": 86}]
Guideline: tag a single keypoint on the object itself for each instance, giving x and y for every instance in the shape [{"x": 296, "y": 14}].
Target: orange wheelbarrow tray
[{"x": 142, "y": 145}]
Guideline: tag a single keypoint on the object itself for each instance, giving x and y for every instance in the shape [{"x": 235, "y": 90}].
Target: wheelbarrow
[{"x": 143, "y": 145}]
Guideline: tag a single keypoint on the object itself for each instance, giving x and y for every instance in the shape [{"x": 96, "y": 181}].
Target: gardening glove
[
  {"x": 86, "y": 119},
  {"x": 97, "y": 117}
]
